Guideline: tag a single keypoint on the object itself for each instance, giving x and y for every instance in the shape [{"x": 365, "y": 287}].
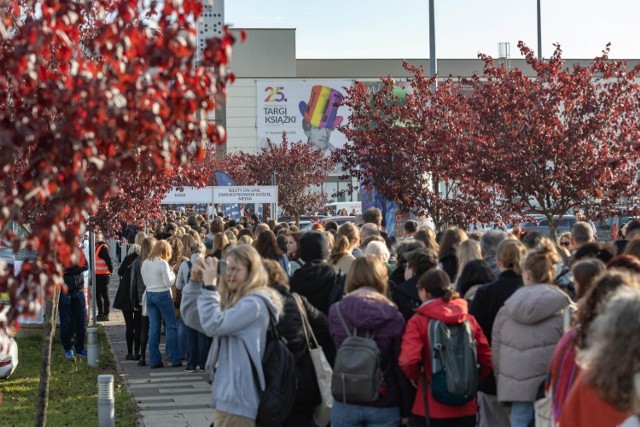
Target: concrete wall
[{"x": 271, "y": 54}]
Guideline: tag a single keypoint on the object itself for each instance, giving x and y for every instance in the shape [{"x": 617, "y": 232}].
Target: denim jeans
[
  {"x": 159, "y": 308},
  {"x": 73, "y": 314},
  {"x": 354, "y": 415},
  {"x": 197, "y": 348},
  {"x": 521, "y": 414},
  {"x": 182, "y": 338}
]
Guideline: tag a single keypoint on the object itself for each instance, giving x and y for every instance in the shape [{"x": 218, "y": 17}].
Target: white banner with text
[{"x": 245, "y": 194}]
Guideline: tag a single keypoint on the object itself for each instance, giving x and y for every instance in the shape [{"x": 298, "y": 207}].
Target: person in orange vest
[{"x": 104, "y": 267}]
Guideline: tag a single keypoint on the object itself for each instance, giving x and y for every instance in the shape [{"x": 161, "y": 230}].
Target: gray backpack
[
  {"x": 357, "y": 376},
  {"x": 454, "y": 362}
]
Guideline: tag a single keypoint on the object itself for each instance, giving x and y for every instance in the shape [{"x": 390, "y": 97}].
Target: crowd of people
[{"x": 551, "y": 327}]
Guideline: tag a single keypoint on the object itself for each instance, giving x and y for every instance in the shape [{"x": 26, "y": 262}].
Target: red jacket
[{"x": 415, "y": 351}]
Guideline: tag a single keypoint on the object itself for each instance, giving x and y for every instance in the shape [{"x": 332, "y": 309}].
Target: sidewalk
[{"x": 166, "y": 397}]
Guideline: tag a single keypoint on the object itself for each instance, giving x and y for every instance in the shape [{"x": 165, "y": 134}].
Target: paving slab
[{"x": 165, "y": 397}]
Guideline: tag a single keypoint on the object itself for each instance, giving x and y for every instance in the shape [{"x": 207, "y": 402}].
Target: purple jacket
[{"x": 367, "y": 311}]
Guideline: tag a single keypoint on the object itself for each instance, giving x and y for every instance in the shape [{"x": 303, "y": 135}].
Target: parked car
[
  {"x": 8, "y": 359},
  {"x": 563, "y": 224},
  {"x": 337, "y": 219}
]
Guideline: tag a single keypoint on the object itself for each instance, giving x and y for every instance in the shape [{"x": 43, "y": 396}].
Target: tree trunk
[{"x": 49, "y": 326}]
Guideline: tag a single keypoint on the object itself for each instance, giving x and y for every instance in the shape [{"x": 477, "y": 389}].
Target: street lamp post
[
  {"x": 539, "y": 34},
  {"x": 433, "y": 60}
]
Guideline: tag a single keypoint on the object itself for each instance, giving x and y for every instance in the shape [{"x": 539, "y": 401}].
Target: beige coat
[
  {"x": 525, "y": 332},
  {"x": 344, "y": 263}
]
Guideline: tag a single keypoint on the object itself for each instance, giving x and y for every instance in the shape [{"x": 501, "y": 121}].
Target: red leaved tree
[
  {"x": 91, "y": 92},
  {"x": 298, "y": 166},
  {"x": 555, "y": 141},
  {"x": 406, "y": 145}
]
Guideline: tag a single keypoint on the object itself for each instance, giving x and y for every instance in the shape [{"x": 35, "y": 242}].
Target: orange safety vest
[{"x": 101, "y": 265}]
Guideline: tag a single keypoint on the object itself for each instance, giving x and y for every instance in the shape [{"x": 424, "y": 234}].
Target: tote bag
[{"x": 322, "y": 412}]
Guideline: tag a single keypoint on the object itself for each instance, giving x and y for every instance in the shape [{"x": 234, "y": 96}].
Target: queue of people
[{"x": 464, "y": 330}]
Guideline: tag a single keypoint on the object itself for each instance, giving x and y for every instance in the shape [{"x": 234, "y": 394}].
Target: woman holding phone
[{"x": 235, "y": 310}]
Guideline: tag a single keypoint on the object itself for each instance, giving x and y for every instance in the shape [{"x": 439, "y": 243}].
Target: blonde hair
[
  {"x": 139, "y": 238},
  {"x": 541, "y": 262},
  {"x": 330, "y": 239},
  {"x": 257, "y": 281},
  {"x": 340, "y": 248},
  {"x": 231, "y": 236},
  {"x": 162, "y": 250},
  {"x": 187, "y": 241},
  {"x": 219, "y": 242},
  {"x": 613, "y": 356},
  {"x": 146, "y": 246},
  {"x": 367, "y": 271},
  {"x": 510, "y": 254},
  {"x": 466, "y": 251},
  {"x": 245, "y": 240}
]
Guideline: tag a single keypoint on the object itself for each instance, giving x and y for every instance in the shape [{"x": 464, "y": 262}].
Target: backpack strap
[
  {"x": 344, "y": 324},
  {"x": 370, "y": 334},
  {"x": 189, "y": 264}
]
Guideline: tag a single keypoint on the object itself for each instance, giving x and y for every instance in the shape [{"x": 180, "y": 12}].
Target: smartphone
[{"x": 222, "y": 268}]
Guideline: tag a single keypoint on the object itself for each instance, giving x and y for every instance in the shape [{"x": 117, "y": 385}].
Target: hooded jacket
[
  {"x": 525, "y": 332},
  {"x": 406, "y": 297},
  {"x": 366, "y": 310},
  {"x": 320, "y": 283},
  {"x": 239, "y": 340},
  {"x": 416, "y": 352}
]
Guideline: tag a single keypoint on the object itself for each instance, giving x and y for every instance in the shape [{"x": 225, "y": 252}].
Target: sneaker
[
  {"x": 101, "y": 318},
  {"x": 190, "y": 370},
  {"x": 69, "y": 354},
  {"x": 176, "y": 365},
  {"x": 82, "y": 352},
  {"x": 159, "y": 365}
]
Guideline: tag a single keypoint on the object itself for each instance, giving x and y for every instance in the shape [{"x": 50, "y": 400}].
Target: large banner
[{"x": 304, "y": 109}]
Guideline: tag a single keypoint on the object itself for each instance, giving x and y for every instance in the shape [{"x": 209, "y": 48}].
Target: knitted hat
[{"x": 313, "y": 246}]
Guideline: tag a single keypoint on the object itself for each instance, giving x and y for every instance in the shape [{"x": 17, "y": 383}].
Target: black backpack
[
  {"x": 357, "y": 375},
  {"x": 281, "y": 380}
]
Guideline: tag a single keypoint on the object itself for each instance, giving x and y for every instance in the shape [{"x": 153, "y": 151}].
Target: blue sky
[{"x": 399, "y": 28}]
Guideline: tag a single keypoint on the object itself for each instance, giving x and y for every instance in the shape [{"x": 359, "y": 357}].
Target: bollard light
[
  {"x": 106, "y": 404},
  {"x": 92, "y": 347}
]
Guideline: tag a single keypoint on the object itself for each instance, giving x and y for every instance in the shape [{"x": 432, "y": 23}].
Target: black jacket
[
  {"x": 122, "y": 301},
  {"x": 290, "y": 327},
  {"x": 405, "y": 296},
  {"x": 137, "y": 284},
  {"x": 73, "y": 277},
  {"x": 320, "y": 283},
  {"x": 449, "y": 263},
  {"x": 488, "y": 301}
]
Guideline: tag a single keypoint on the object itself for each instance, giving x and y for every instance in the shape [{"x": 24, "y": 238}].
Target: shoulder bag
[{"x": 322, "y": 412}]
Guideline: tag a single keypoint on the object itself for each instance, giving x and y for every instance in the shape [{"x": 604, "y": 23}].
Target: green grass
[{"x": 73, "y": 388}]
